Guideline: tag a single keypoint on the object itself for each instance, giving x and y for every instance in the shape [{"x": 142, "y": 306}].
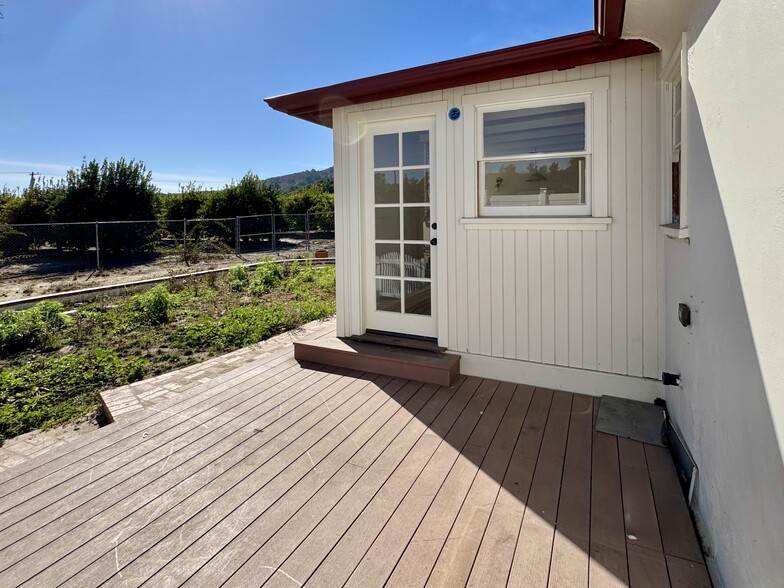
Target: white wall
[
  {"x": 571, "y": 298},
  {"x": 731, "y": 406}
]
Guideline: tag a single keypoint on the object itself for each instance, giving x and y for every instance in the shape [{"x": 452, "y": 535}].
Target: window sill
[
  {"x": 673, "y": 231},
  {"x": 541, "y": 223}
]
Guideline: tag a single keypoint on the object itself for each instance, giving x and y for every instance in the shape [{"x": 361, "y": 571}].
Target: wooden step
[{"x": 423, "y": 366}]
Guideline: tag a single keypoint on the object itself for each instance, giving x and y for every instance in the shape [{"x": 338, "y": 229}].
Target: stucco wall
[{"x": 731, "y": 406}]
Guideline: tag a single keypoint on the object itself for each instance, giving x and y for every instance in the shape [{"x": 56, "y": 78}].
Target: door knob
[
  {"x": 434, "y": 226},
  {"x": 434, "y": 241}
]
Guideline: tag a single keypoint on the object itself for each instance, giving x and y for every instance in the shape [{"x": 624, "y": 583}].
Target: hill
[{"x": 295, "y": 181}]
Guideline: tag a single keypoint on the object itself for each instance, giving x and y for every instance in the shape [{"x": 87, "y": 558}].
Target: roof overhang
[{"x": 603, "y": 44}]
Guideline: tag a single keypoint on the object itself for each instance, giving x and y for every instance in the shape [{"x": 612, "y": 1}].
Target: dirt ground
[{"x": 23, "y": 280}]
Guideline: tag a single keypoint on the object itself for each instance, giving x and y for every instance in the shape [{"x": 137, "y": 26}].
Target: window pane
[
  {"x": 416, "y": 148},
  {"x": 676, "y": 98},
  {"x": 676, "y": 130},
  {"x": 416, "y": 223},
  {"x": 385, "y": 151},
  {"x": 547, "y": 129},
  {"x": 388, "y": 295},
  {"x": 387, "y": 259},
  {"x": 418, "y": 298},
  {"x": 416, "y": 185},
  {"x": 388, "y": 223},
  {"x": 535, "y": 182},
  {"x": 387, "y": 187},
  {"x": 417, "y": 261}
]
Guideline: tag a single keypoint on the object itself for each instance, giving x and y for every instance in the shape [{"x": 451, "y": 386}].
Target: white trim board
[{"x": 559, "y": 378}]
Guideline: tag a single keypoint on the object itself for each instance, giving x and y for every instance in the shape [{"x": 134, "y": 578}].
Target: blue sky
[{"x": 179, "y": 84}]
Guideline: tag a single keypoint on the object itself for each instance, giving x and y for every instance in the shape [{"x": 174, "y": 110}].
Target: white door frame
[{"x": 354, "y": 215}]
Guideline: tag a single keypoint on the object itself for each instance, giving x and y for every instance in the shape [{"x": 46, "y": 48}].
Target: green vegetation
[
  {"x": 239, "y": 278},
  {"x": 123, "y": 191},
  {"x": 267, "y": 276},
  {"x": 52, "y": 366},
  {"x": 33, "y": 327}
]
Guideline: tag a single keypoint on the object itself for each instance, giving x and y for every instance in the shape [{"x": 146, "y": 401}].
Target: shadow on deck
[{"x": 281, "y": 474}]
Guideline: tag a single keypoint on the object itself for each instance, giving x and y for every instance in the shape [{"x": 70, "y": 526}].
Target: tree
[
  {"x": 32, "y": 206},
  {"x": 313, "y": 200},
  {"x": 111, "y": 191},
  {"x": 248, "y": 197}
]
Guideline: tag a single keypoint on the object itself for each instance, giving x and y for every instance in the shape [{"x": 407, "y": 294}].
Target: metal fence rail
[{"x": 37, "y": 257}]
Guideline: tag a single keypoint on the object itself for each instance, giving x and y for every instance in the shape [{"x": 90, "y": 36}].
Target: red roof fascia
[
  {"x": 608, "y": 19},
  {"x": 552, "y": 54}
]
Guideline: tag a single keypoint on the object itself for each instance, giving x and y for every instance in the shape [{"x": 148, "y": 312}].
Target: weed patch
[
  {"x": 52, "y": 367},
  {"x": 34, "y": 327}
]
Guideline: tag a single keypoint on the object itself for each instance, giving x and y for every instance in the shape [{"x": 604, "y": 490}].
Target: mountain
[{"x": 295, "y": 181}]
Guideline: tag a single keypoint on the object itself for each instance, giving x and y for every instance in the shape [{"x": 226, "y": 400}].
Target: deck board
[
  {"x": 491, "y": 566},
  {"x": 531, "y": 563},
  {"x": 57, "y": 479},
  {"x": 482, "y": 417},
  {"x": 569, "y": 563},
  {"x": 114, "y": 502},
  {"x": 454, "y": 564},
  {"x": 639, "y": 512},
  {"x": 235, "y": 484},
  {"x": 282, "y": 474},
  {"x": 608, "y": 565}
]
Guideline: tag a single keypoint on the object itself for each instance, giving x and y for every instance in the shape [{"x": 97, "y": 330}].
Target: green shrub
[
  {"x": 251, "y": 323},
  {"x": 32, "y": 327},
  {"x": 309, "y": 281},
  {"x": 155, "y": 306},
  {"x": 267, "y": 275},
  {"x": 202, "y": 334},
  {"x": 239, "y": 278},
  {"x": 53, "y": 390}
]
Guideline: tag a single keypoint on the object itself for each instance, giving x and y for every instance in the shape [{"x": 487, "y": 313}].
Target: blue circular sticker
[{"x": 454, "y": 113}]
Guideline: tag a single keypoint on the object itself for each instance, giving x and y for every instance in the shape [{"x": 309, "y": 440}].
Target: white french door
[{"x": 399, "y": 219}]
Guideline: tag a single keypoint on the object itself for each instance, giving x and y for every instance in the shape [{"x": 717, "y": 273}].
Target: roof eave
[{"x": 559, "y": 53}]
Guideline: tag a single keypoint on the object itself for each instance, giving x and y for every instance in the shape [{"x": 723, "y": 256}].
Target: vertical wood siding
[{"x": 583, "y": 299}]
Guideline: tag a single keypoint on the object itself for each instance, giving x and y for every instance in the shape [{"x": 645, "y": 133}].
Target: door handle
[
  {"x": 434, "y": 226},
  {"x": 434, "y": 241}
]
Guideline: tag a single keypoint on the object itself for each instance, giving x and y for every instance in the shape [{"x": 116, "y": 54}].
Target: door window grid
[{"x": 407, "y": 241}]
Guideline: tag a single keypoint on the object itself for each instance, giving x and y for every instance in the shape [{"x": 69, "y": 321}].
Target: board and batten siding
[{"x": 587, "y": 299}]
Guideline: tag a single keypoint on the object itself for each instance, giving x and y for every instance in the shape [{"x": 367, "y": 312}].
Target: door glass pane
[
  {"x": 535, "y": 130},
  {"x": 416, "y": 148},
  {"x": 416, "y": 223},
  {"x": 388, "y": 223},
  {"x": 388, "y": 295},
  {"x": 416, "y": 185},
  {"x": 387, "y": 259},
  {"x": 387, "y": 187},
  {"x": 385, "y": 150},
  {"x": 417, "y": 261},
  {"x": 418, "y": 298}
]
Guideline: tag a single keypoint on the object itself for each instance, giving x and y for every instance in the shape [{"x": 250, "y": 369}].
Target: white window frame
[
  {"x": 675, "y": 71},
  {"x": 594, "y": 93}
]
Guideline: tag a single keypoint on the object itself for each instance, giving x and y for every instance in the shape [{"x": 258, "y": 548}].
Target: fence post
[
  {"x": 274, "y": 244},
  {"x": 97, "y": 248},
  {"x": 307, "y": 229},
  {"x": 236, "y": 235}
]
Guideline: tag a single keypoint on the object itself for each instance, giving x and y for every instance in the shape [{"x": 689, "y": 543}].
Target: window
[
  {"x": 675, "y": 167},
  {"x": 674, "y": 145},
  {"x": 533, "y": 157},
  {"x": 538, "y": 151}
]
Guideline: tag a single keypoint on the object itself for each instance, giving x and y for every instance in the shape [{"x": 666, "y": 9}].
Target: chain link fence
[{"x": 44, "y": 258}]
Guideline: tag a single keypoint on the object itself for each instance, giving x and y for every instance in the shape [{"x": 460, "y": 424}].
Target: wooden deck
[{"x": 278, "y": 474}]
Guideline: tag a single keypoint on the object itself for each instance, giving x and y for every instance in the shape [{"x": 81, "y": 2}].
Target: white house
[{"x": 586, "y": 213}]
